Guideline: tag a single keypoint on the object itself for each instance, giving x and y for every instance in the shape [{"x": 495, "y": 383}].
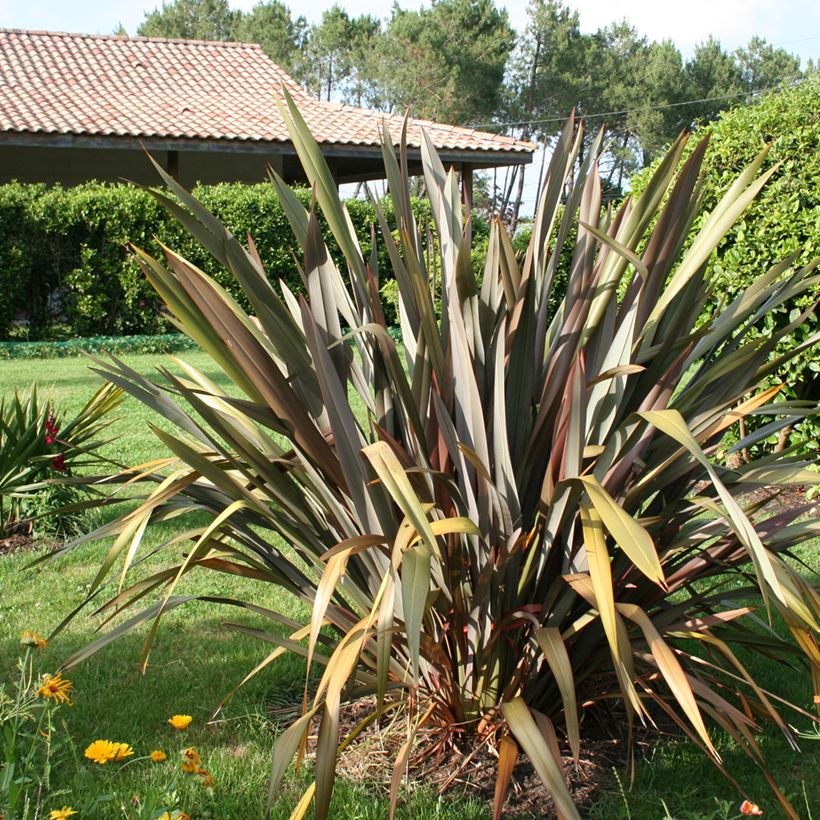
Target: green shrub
[
  {"x": 516, "y": 518},
  {"x": 18, "y": 244},
  {"x": 64, "y": 258},
  {"x": 784, "y": 221},
  {"x": 119, "y": 345}
]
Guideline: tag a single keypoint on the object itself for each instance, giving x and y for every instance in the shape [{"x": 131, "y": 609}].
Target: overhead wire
[{"x": 622, "y": 112}]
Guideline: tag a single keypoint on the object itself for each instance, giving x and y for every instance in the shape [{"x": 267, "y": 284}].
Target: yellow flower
[
  {"x": 180, "y": 722},
  {"x": 61, "y": 814},
  {"x": 29, "y": 638},
  {"x": 158, "y": 755},
  {"x": 123, "y": 750},
  {"x": 101, "y": 751},
  {"x": 56, "y": 688}
]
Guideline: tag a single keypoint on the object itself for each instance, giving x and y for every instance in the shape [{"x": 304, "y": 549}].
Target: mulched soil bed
[
  {"x": 13, "y": 543},
  {"x": 470, "y": 771}
]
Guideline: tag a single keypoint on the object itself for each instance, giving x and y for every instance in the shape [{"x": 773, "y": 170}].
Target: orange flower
[
  {"x": 56, "y": 688},
  {"x": 749, "y": 808},
  {"x": 180, "y": 722},
  {"x": 29, "y": 638},
  {"x": 206, "y": 778},
  {"x": 192, "y": 760},
  {"x": 61, "y": 814},
  {"x": 817, "y": 700},
  {"x": 158, "y": 755}
]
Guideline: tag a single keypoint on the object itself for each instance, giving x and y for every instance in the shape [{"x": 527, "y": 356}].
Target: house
[{"x": 75, "y": 107}]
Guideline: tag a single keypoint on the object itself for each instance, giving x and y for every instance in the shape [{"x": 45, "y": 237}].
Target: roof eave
[{"x": 476, "y": 157}]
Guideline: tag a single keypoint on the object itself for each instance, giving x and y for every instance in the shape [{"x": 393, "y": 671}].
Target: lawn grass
[{"x": 197, "y": 659}]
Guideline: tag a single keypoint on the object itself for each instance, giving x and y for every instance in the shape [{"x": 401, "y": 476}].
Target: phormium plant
[{"x": 519, "y": 517}]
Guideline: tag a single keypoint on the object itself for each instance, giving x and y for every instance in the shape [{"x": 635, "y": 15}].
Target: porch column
[{"x": 172, "y": 164}]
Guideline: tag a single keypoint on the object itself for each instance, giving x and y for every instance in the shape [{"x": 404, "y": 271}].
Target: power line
[
  {"x": 627, "y": 110},
  {"x": 798, "y": 40}
]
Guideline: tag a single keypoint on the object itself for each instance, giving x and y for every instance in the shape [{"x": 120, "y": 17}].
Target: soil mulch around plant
[
  {"x": 471, "y": 771},
  {"x": 17, "y": 542}
]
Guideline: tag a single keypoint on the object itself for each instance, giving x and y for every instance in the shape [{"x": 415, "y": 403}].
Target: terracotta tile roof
[{"x": 56, "y": 83}]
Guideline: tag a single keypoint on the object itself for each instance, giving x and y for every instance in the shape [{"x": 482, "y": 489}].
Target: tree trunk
[{"x": 519, "y": 195}]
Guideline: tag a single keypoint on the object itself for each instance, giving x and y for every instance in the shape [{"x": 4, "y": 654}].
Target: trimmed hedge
[
  {"x": 118, "y": 345},
  {"x": 64, "y": 258}
]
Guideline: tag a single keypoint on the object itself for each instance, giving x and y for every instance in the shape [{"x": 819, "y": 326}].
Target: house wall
[{"x": 71, "y": 166}]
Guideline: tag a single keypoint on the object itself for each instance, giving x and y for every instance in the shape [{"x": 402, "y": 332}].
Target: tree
[
  {"x": 280, "y": 35},
  {"x": 191, "y": 20},
  {"x": 447, "y": 62},
  {"x": 764, "y": 67},
  {"x": 656, "y": 119},
  {"x": 783, "y": 220},
  {"x": 333, "y": 62},
  {"x": 549, "y": 69},
  {"x": 549, "y": 76},
  {"x": 713, "y": 79}
]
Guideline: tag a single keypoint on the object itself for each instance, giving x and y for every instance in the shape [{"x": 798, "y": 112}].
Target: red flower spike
[{"x": 749, "y": 808}]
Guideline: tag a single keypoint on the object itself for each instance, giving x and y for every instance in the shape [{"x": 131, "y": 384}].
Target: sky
[{"x": 794, "y": 24}]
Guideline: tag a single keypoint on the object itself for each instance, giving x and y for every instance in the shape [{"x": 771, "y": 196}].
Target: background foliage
[
  {"x": 783, "y": 221},
  {"x": 64, "y": 262}
]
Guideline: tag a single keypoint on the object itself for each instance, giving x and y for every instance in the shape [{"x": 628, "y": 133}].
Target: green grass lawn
[{"x": 197, "y": 659}]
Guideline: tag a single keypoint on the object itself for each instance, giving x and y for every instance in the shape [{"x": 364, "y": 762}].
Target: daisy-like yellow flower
[
  {"x": 61, "y": 814},
  {"x": 101, "y": 751},
  {"x": 123, "y": 750},
  {"x": 29, "y": 638},
  {"x": 180, "y": 722},
  {"x": 56, "y": 688},
  {"x": 158, "y": 755}
]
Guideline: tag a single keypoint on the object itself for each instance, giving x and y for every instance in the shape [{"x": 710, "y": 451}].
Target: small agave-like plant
[
  {"x": 39, "y": 447},
  {"x": 520, "y": 514}
]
